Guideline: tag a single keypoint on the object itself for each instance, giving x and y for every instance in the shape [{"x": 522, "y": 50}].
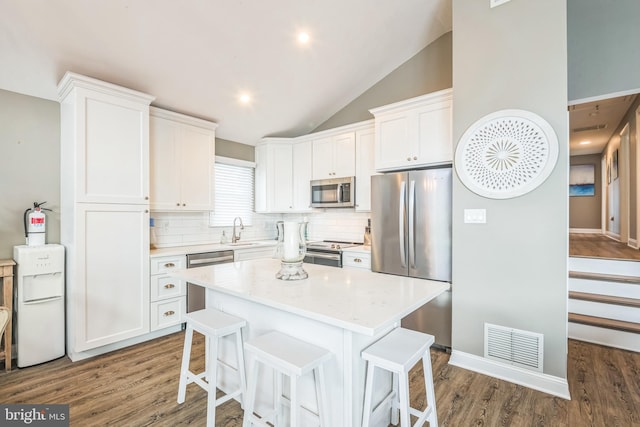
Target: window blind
[{"x": 233, "y": 194}]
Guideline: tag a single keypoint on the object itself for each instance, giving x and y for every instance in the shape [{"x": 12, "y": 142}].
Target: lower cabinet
[
  {"x": 357, "y": 257},
  {"x": 168, "y": 295}
]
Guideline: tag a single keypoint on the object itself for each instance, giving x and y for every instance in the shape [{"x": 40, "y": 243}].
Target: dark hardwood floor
[
  {"x": 600, "y": 246},
  {"x": 137, "y": 386}
]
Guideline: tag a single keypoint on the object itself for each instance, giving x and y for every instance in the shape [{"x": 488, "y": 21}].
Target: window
[{"x": 233, "y": 192}]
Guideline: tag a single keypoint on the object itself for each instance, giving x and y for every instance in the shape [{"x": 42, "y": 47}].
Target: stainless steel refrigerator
[{"x": 411, "y": 236}]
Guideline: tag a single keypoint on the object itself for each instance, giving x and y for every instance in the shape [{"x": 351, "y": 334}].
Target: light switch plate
[
  {"x": 494, "y": 3},
  {"x": 475, "y": 216}
]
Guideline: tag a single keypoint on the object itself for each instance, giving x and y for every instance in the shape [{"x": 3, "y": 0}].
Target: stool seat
[
  {"x": 398, "y": 352},
  {"x": 286, "y": 353},
  {"x": 286, "y": 356},
  {"x": 213, "y": 324}
]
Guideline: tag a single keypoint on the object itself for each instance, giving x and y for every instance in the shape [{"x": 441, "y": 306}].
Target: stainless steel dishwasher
[{"x": 196, "y": 293}]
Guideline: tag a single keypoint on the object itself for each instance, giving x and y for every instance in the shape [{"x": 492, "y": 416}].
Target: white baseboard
[
  {"x": 81, "y": 355},
  {"x": 585, "y": 230},
  {"x": 612, "y": 235},
  {"x": 603, "y": 336},
  {"x": 545, "y": 383}
]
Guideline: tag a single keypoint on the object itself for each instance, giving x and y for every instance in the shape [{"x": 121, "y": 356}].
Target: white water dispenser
[{"x": 39, "y": 303}]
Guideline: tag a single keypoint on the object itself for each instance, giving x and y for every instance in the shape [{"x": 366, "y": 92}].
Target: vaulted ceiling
[{"x": 198, "y": 56}]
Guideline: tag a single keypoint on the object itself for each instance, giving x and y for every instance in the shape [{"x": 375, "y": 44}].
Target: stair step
[
  {"x": 601, "y": 322},
  {"x": 605, "y": 299},
  {"x": 632, "y": 280}
]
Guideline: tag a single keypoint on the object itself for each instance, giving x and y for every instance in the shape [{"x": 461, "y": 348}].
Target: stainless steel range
[{"x": 327, "y": 252}]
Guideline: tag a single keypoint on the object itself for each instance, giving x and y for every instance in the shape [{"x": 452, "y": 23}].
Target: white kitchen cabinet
[
  {"x": 182, "y": 151},
  {"x": 282, "y": 175},
  {"x": 273, "y": 175},
  {"x": 357, "y": 257},
  {"x": 105, "y": 146},
  {"x": 334, "y": 155},
  {"x": 301, "y": 176},
  {"x": 104, "y": 212},
  {"x": 414, "y": 133},
  {"x": 168, "y": 294},
  {"x": 107, "y": 274},
  {"x": 365, "y": 167}
]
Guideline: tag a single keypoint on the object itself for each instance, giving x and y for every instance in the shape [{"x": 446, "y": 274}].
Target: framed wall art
[{"x": 582, "y": 180}]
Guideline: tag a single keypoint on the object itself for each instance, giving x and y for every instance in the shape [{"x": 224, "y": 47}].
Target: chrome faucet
[{"x": 235, "y": 238}]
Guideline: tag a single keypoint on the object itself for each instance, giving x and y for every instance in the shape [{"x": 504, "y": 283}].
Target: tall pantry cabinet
[{"x": 104, "y": 212}]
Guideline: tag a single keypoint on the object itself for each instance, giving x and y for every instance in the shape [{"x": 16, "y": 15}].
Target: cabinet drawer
[
  {"x": 356, "y": 259},
  {"x": 168, "y": 312},
  {"x": 163, "y": 287},
  {"x": 168, "y": 263}
]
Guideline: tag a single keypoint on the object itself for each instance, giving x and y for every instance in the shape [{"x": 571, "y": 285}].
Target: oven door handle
[{"x": 324, "y": 256}]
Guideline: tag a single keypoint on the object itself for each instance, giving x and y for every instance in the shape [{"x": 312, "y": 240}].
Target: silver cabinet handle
[
  {"x": 169, "y": 265},
  {"x": 357, "y": 260}
]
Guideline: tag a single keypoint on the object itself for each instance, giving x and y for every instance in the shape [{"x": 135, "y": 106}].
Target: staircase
[{"x": 604, "y": 302}]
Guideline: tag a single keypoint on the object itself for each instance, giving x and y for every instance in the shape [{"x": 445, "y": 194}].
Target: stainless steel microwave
[{"x": 333, "y": 193}]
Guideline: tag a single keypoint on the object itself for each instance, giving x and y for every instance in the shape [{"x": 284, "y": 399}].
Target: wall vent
[
  {"x": 513, "y": 346},
  {"x": 590, "y": 128}
]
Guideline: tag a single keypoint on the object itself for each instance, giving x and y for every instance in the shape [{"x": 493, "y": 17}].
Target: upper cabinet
[
  {"x": 182, "y": 152},
  {"x": 365, "y": 167},
  {"x": 106, "y": 141},
  {"x": 334, "y": 155},
  {"x": 283, "y": 172},
  {"x": 414, "y": 133}
]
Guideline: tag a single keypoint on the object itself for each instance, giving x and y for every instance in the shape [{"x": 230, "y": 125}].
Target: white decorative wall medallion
[{"x": 506, "y": 154}]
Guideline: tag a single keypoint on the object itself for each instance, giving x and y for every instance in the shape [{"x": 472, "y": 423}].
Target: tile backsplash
[{"x": 192, "y": 228}]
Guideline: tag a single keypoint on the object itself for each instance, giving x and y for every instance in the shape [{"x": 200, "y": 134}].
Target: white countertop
[
  {"x": 356, "y": 300},
  {"x": 196, "y": 249}
]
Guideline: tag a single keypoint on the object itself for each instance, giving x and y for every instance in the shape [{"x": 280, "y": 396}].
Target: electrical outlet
[
  {"x": 494, "y": 3},
  {"x": 475, "y": 216}
]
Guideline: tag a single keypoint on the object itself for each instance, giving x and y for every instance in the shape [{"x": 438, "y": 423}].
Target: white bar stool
[
  {"x": 213, "y": 324},
  {"x": 287, "y": 356},
  {"x": 398, "y": 352}
]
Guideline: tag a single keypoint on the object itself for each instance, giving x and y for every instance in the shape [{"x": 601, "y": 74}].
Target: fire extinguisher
[{"x": 35, "y": 224}]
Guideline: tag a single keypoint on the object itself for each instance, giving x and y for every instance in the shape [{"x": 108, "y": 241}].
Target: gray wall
[
  {"x": 603, "y": 40},
  {"x": 235, "y": 150},
  {"x": 585, "y": 211},
  {"x": 428, "y": 71},
  {"x": 512, "y": 271},
  {"x": 29, "y": 165}
]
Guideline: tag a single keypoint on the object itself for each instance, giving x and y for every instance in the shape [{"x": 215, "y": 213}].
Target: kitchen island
[{"x": 343, "y": 310}]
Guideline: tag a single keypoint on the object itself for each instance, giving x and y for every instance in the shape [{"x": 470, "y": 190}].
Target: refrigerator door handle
[
  {"x": 401, "y": 216},
  {"x": 412, "y": 216}
]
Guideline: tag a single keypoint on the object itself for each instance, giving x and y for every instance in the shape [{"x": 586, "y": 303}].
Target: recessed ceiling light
[
  {"x": 303, "y": 38},
  {"x": 244, "y": 98},
  {"x": 585, "y": 142}
]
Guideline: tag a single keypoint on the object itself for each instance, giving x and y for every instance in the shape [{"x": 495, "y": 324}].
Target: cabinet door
[
  {"x": 434, "y": 134},
  {"x": 323, "y": 158},
  {"x": 394, "y": 148},
  {"x": 109, "y": 291},
  {"x": 280, "y": 198},
  {"x": 165, "y": 166},
  {"x": 302, "y": 164},
  {"x": 364, "y": 168},
  {"x": 196, "y": 168},
  {"x": 344, "y": 155},
  {"x": 112, "y": 149}
]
